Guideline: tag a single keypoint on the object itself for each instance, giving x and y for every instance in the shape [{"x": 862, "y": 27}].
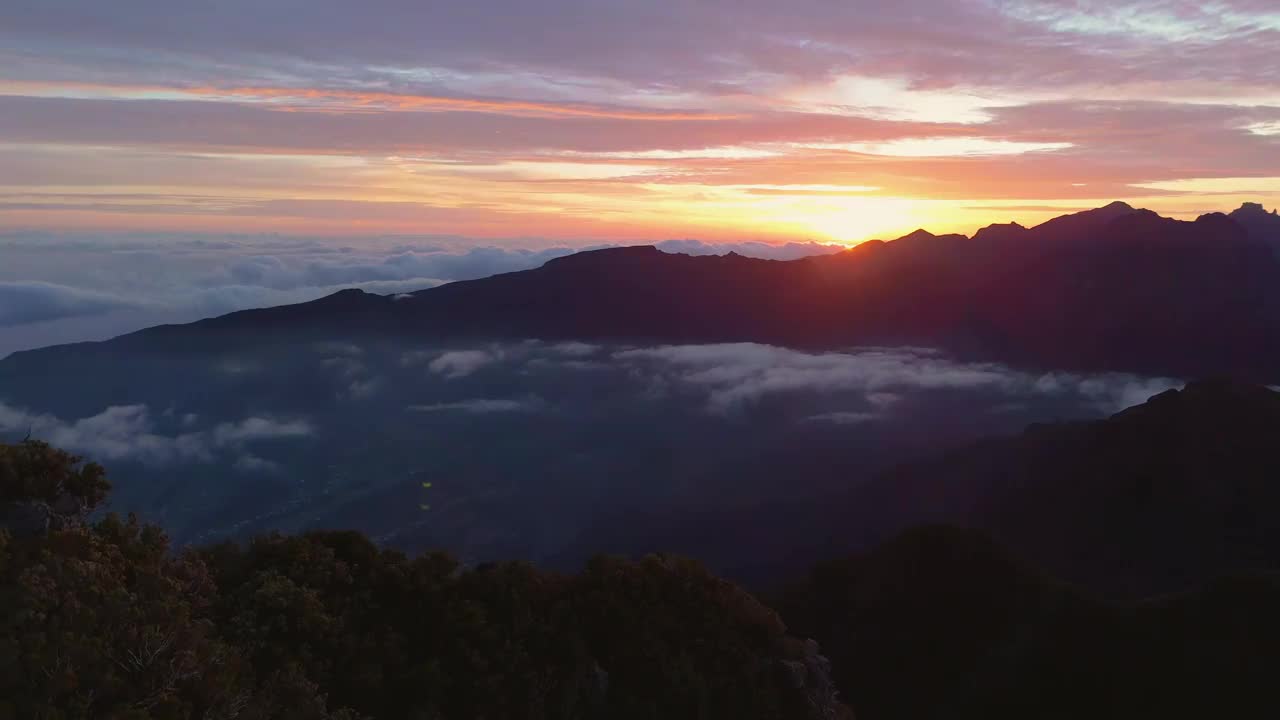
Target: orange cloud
[{"x": 323, "y": 100}]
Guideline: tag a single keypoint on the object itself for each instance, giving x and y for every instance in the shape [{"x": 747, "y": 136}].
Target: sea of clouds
[{"x": 721, "y": 382}]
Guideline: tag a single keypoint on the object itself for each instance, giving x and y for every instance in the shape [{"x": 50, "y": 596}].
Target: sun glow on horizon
[
  {"x": 849, "y": 220},
  {"x": 810, "y": 122}
]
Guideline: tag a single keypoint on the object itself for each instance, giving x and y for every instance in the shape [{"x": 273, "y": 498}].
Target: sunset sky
[{"x": 609, "y": 120}]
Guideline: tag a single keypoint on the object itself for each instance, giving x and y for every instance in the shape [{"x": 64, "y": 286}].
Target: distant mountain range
[{"x": 1114, "y": 288}]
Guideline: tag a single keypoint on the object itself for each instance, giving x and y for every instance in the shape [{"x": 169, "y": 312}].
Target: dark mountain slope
[
  {"x": 945, "y": 623},
  {"x": 1162, "y": 496}
]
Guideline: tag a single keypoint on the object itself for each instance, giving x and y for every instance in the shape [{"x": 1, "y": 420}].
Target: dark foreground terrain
[{"x": 101, "y": 620}]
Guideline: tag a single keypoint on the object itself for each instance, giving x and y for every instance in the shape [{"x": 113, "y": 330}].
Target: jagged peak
[
  {"x": 1250, "y": 207},
  {"x": 1000, "y": 230},
  {"x": 1253, "y": 209},
  {"x": 917, "y": 233}
]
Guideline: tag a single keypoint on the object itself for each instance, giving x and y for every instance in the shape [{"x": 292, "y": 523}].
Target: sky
[
  {"x": 543, "y": 122},
  {"x": 163, "y": 161}
]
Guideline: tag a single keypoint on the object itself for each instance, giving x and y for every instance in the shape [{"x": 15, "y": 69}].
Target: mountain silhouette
[
  {"x": 1160, "y": 497},
  {"x": 1114, "y": 288},
  {"x": 1261, "y": 225}
]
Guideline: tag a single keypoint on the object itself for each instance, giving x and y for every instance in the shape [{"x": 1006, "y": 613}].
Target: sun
[{"x": 851, "y": 220}]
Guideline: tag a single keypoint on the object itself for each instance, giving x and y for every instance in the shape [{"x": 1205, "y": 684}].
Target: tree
[
  {"x": 43, "y": 487},
  {"x": 104, "y": 620}
]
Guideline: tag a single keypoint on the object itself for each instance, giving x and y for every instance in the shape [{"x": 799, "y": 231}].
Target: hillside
[
  {"x": 945, "y": 623},
  {"x": 1162, "y": 496}
]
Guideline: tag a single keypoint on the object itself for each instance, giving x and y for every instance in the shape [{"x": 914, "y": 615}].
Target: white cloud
[
  {"x": 130, "y": 432},
  {"x": 460, "y": 363},
  {"x": 740, "y": 374},
  {"x": 896, "y": 99},
  {"x": 24, "y": 303},
  {"x": 345, "y": 366},
  {"x": 259, "y": 428},
  {"x": 574, "y": 349},
  {"x": 362, "y": 389},
  {"x": 1114, "y": 392},
  {"x": 255, "y": 464},
  {"x": 482, "y": 406},
  {"x": 120, "y": 431},
  {"x": 844, "y": 417},
  {"x": 883, "y": 399}
]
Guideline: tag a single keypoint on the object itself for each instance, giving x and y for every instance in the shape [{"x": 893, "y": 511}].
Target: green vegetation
[{"x": 102, "y": 620}]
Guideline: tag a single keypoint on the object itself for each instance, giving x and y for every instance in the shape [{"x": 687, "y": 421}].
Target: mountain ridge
[{"x": 1113, "y": 288}]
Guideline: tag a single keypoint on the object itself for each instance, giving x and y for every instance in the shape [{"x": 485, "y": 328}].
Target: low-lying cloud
[
  {"x": 131, "y": 432},
  {"x": 843, "y": 417},
  {"x": 730, "y": 378},
  {"x": 461, "y": 363},
  {"x": 23, "y": 303},
  {"x": 740, "y": 374},
  {"x": 482, "y": 406},
  {"x": 735, "y": 382}
]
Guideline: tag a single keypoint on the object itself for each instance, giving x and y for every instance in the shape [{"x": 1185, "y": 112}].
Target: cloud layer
[
  {"x": 523, "y": 444},
  {"x": 738, "y": 375},
  {"x": 724, "y": 382},
  {"x": 481, "y": 406},
  {"x": 24, "y": 303},
  {"x": 131, "y": 432}
]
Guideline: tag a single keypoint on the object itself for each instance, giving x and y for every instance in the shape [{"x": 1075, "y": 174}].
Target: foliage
[
  {"x": 422, "y": 638},
  {"x": 103, "y": 620},
  {"x": 33, "y": 472}
]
